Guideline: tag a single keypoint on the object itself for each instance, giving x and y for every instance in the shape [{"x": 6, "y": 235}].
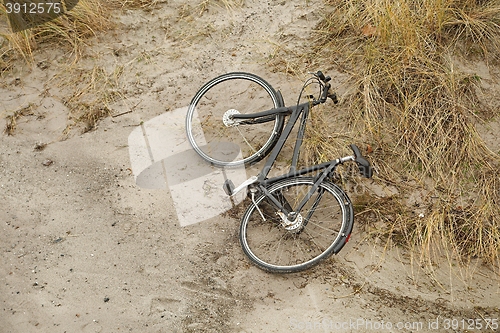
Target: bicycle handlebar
[
  {"x": 325, "y": 94},
  {"x": 322, "y": 77}
]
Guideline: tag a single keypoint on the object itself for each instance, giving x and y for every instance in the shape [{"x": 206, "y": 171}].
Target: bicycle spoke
[
  {"x": 246, "y": 141},
  {"x": 314, "y": 205},
  {"x": 301, "y": 247},
  {"x": 279, "y": 243},
  {"x": 313, "y": 239}
]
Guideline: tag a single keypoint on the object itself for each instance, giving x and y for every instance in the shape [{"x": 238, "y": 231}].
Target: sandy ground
[{"x": 85, "y": 249}]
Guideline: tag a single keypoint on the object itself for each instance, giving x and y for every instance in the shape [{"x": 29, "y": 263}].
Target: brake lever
[{"x": 321, "y": 76}]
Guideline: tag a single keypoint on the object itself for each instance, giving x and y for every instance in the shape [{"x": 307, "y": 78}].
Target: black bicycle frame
[{"x": 295, "y": 112}]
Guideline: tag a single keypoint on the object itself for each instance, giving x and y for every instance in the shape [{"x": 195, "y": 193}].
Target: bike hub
[
  {"x": 293, "y": 226},
  {"x": 226, "y": 118}
]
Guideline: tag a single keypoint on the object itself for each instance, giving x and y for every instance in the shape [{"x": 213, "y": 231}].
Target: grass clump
[
  {"x": 93, "y": 93},
  {"x": 134, "y": 4},
  {"x": 11, "y": 119},
  {"x": 418, "y": 111},
  {"x": 227, "y": 4}
]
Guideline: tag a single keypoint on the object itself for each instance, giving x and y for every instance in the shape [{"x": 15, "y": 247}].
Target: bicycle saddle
[{"x": 363, "y": 165}]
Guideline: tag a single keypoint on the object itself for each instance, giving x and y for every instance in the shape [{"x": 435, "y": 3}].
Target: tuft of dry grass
[
  {"x": 11, "y": 120},
  {"x": 92, "y": 94},
  {"x": 418, "y": 111},
  {"x": 134, "y": 4},
  {"x": 229, "y": 5}
]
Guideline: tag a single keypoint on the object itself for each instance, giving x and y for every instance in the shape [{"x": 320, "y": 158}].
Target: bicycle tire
[
  {"x": 233, "y": 145},
  {"x": 272, "y": 247}
]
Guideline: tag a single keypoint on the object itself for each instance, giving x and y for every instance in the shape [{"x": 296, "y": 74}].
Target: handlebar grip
[{"x": 321, "y": 75}]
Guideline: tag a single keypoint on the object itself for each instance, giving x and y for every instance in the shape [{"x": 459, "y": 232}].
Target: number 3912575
[{"x": 33, "y": 8}]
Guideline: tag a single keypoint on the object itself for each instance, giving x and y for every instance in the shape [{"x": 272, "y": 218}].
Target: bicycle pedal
[{"x": 228, "y": 187}]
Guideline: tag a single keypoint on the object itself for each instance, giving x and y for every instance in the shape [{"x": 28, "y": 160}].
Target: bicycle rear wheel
[
  {"x": 321, "y": 229},
  {"x": 224, "y": 143}
]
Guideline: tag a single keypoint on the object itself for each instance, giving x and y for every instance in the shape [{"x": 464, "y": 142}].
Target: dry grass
[
  {"x": 229, "y": 5},
  {"x": 94, "y": 90},
  {"x": 86, "y": 19},
  {"x": 418, "y": 112},
  {"x": 188, "y": 27},
  {"x": 11, "y": 119},
  {"x": 92, "y": 94},
  {"x": 134, "y": 4}
]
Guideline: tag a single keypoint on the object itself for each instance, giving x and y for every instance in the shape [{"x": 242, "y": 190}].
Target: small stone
[
  {"x": 39, "y": 146},
  {"x": 43, "y": 65},
  {"x": 47, "y": 162},
  {"x": 58, "y": 240}
]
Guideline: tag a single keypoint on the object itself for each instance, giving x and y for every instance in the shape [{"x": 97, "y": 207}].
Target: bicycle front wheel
[
  {"x": 226, "y": 143},
  {"x": 320, "y": 229}
]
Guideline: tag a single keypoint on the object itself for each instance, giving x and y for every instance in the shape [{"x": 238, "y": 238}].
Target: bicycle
[{"x": 294, "y": 221}]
